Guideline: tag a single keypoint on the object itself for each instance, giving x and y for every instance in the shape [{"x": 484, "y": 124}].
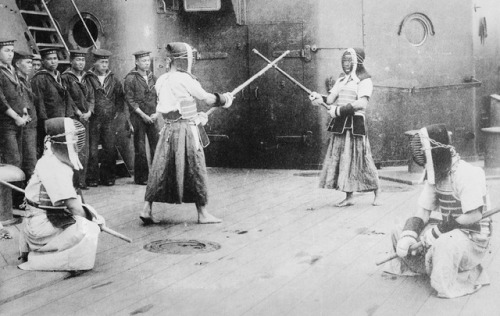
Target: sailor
[
  {"x": 37, "y": 62},
  {"x": 83, "y": 97},
  {"x": 140, "y": 96},
  {"x": 455, "y": 241},
  {"x": 178, "y": 174},
  {"x": 23, "y": 65},
  {"x": 108, "y": 103},
  {"x": 57, "y": 232},
  {"x": 52, "y": 97},
  {"x": 14, "y": 114}
]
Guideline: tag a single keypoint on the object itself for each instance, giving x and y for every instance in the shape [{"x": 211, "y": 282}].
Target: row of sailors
[{"x": 32, "y": 90}]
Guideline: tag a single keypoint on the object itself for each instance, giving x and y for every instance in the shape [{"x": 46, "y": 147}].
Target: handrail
[
  {"x": 469, "y": 84},
  {"x": 84, "y": 24},
  {"x": 55, "y": 25}
]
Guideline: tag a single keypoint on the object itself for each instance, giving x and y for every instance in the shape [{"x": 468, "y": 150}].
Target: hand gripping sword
[
  {"x": 260, "y": 73},
  {"x": 420, "y": 243},
  {"x": 103, "y": 227},
  {"x": 308, "y": 91}
]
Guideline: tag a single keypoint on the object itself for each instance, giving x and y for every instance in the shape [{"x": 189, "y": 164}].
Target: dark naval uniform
[
  {"x": 108, "y": 98},
  {"x": 83, "y": 98},
  {"x": 141, "y": 94},
  {"x": 11, "y": 97},
  {"x": 17, "y": 143},
  {"x": 52, "y": 100},
  {"x": 30, "y": 130}
]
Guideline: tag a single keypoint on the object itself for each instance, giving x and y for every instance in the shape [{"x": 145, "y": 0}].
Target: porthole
[
  {"x": 79, "y": 36},
  {"x": 416, "y": 28}
]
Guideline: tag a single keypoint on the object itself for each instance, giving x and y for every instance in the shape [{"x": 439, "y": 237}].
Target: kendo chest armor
[
  {"x": 449, "y": 205},
  {"x": 338, "y": 125},
  {"x": 58, "y": 216}
]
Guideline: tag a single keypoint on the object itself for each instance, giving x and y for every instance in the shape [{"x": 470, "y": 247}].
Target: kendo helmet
[
  {"x": 65, "y": 138},
  {"x": 431, "y": 148}
]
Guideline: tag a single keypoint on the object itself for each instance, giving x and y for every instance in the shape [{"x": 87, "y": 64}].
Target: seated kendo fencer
[
  {"x": 58, "y": 233},
  {"x": 456, "y": 237}
]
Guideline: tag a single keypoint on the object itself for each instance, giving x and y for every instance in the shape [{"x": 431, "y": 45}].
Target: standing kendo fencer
[
  {"x": 58, "y": 233},
  {"x": 455, "y": 244},
  {"x": 178, "y": 173}
]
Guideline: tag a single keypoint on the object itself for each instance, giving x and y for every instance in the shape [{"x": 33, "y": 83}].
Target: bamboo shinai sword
[
  {"x": 308, "y": 91},
  {"x": 420, "y": 243},
  {"x": 260, "y": 73}
]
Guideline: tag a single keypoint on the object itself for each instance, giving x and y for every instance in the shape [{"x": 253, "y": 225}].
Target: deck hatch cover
[{"x": 181, "y": 247}]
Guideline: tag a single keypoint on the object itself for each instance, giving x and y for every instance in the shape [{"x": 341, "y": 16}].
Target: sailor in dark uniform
[
  {"x": 23, "y": 64},
  {"x": 140, "y": 96},
  {"x": 52, "y": 97},
  {"x": 83, "y": 97},
  {"x": 108, "y": 103},
  {"x": 14, "y": 111}
]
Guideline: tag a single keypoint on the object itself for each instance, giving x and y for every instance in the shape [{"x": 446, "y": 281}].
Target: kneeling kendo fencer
[
  {"x": 454, "y": 245},
  {"x": 58, "y": 231}
]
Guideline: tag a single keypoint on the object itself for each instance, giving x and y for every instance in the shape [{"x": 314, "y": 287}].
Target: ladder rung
[
  {"x": 43, "y": 29},
  {"x": 49, "y": 45},
  {"x": 34, "y": 12}
]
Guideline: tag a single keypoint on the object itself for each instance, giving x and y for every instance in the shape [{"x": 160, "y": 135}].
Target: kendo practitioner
[
  {"x": 83, "y": 97},
  {"x": 14, "y": 114},
  {"x": 57, "y": 232},
  {"x": 108, "y": 103},
  {"x": 348, "y": 164},
  {"x": 52, "y": 97},
  {"x": 140, "y": 96},
  {"x": 455, "y": 242},
  {"x": 178, "y": 173},
  {"x": 37, "y": 62}
]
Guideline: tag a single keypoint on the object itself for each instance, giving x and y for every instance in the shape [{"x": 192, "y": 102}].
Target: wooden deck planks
[
  {"x": 154, "y": 227},
  {"x": 285, "y": 250},
  {"x": 288, "y": 251},
  {"x": 348, "y": 266}
]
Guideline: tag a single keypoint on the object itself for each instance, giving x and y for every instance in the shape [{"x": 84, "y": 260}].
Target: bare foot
[
  {"x": 344, "y": 203},
  {"x": 376, "y": 199},
  {"x": 348, "y": 201},
  {"x": 207, "y": 218}
]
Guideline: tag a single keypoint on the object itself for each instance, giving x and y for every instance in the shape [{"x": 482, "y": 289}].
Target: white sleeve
[
  {"x": 194, "y": 88},
  {"x": 428, "y": 197},
  {"x": 470, "y": 186},
  {"x": 57, "y": 178},
  {"x": 365, "y": 88}
]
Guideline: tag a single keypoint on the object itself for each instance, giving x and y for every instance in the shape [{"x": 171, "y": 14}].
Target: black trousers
[
  {"x": 141, "y": 129},
  {"x": 102, "y": 130}
]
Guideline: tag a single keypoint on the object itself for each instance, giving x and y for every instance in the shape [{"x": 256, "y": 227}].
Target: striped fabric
[
  {"x": 348, "y": 93},
  {"x": 449, "y": 205},
  {"x": 44, "y": 197},
  {"x": 188, "y": 109}
]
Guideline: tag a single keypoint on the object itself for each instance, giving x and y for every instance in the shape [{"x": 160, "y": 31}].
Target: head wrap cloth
[
  {"x": 180, "y": 50},
  {"x": 358, "y": 71}
]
